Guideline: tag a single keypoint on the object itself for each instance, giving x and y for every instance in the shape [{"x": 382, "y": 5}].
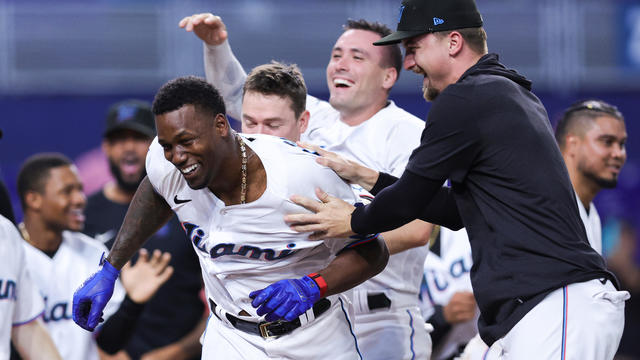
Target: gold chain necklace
[
  {"x": 24, "y": 233},
  {"x": 243, "y": 184}
]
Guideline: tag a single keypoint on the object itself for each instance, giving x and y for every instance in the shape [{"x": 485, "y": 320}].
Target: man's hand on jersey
[
  {"x": 286, "y": 299},
  {"x": 208, "y": 27},
  {"x": 92, "y": 296},
  {"x": 142, "y": 280},
  {"x": 349, "y": 170},
  {"x": 331, "y": 218},
  {"x": 461, "y": 307}
]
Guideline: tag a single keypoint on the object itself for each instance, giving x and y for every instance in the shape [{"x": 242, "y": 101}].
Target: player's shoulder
[
  {"x": 9, "y": 235},
  {"x": 394, "y": 115},
  {"x": 83, "y": 244},
  {"x": 291, "y": 168}
]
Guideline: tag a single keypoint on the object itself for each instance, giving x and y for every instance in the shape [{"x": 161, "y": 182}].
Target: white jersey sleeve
[
  {"x": 226, "y": 74},
  {"x": 20, "y": 301}
]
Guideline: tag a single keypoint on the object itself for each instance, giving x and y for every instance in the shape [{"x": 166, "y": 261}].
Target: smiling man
[
  {"x": 592, "y": 138},
  {"x": 234, "y": 190}
]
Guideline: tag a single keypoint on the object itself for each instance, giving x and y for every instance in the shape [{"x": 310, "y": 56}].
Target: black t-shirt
[
  {"x": 491, "y": 137},
  {"x": 176, "y": 308}
]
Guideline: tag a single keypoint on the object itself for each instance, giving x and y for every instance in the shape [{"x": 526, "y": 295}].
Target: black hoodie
[{"x": 491, "y": 137}]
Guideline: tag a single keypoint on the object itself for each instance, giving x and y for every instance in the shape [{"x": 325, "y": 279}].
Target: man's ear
[
  {"x": 390, "y": 78},
  {"x": 33, "y": 200},
  {"x": 303, "y": 121},
  {"x": 455, "y": 43},
  {"x": 221, "y": 124}
]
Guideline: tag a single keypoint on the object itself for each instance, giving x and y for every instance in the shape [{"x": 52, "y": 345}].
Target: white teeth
[
  {"x": 189, "y": 169},
  {"x": 342, "y": 82}
]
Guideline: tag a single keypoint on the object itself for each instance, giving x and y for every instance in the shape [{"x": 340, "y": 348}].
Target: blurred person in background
[
  {"x": 592, "y": 138},
  {"x": 172, "y": 321},
  {"x": 623, "y": 261},
  {"x": 59, "y": 258}
]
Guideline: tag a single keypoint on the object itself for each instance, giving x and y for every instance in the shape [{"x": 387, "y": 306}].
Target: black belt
[
  {"x": 378, "y": 301},
  {"x": 274, "y": 328}
]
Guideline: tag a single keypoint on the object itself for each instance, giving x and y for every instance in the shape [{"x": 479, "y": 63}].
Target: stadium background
[{"x": 62, "y": 63}]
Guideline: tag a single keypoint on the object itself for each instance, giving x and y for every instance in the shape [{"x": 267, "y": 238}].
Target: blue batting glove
[
  {"x": 286, "y": 299},
  {"x": 92, "y": 296}
]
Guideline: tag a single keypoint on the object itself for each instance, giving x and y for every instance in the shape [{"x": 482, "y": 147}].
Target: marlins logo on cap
[{"x": 418, "y": 17}]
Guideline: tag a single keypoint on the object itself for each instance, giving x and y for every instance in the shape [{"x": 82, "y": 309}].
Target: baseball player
[
  {"x": 361, "y": 123},
  {"x": 59, "y": 257},
  {"x": 21, "y": 305},
  {"x": 447, "y": 295},
  {"x": 230, "y": 192},
  {"x": 542, "y": 290},
  {"x": 592, "y": 137}
]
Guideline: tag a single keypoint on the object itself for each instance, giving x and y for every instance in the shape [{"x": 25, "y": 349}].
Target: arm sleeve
[
  {"x": 117, "y": 330},
  {"x": 411, "y": 197},
  {"x": 226, "y": 74}
]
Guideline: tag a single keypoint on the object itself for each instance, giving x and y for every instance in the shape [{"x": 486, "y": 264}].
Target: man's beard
[
  {"x": 128, "y": 186},
  {"x": 430, "y": 93},
  {"x": 601, "y": 182}
]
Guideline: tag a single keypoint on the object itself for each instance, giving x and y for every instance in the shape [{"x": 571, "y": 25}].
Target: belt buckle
[{"x": 264, "y": 332}]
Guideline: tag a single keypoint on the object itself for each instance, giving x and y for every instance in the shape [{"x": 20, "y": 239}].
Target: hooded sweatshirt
[{"x": 491, "y": 137}]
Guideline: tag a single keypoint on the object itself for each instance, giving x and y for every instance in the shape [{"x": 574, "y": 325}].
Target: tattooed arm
[{"x": 147, "y": 213}]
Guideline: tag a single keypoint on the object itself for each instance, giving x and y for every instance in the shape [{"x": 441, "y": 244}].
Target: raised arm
[
  {"x": 221, "y": 67},
  {"x": 288, "y": 299},
  {"x": 147, "y": 213}
]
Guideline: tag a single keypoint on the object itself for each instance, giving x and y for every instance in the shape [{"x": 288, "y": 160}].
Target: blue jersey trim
[
  {"x": 413, "y": 331},
  {"x": 29, "y": 320},
  {"x": 355, "y": 340}
]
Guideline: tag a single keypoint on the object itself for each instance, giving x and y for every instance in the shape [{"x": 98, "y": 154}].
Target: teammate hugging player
[{"x": 231, "y": 192}]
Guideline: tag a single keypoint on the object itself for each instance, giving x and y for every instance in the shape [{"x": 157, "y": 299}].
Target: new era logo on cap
[
  {"x": 419, "y": 17},
  {"x": 400, "y": 12},
  {"x": 126, "y": 112}
]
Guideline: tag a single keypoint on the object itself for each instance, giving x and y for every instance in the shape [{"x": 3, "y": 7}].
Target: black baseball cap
[
  {"x": 133, "y": 115},
  {"x": 419, "y": 17}
]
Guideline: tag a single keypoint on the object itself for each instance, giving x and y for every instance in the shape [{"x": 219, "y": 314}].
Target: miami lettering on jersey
[
  {"x": 57, "y": 312},
  {"x": 196, "y": 235},
  {"x": 7, "y": 289}
]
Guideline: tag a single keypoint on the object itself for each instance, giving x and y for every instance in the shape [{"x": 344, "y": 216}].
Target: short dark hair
[
  {"x": 475, "y": 37},
  {"x": 393, "y": 56},
  {"x": 284, "y": 80},
  {"x": 580, "y": 114},
  {"x": 34, "y": 173},
  {"x": 188, "y": 90}
]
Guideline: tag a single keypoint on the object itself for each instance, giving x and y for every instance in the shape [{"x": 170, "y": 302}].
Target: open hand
[
  {"x": 208, "y": 27},
  {"x": 142, "y": 280},
  {"x": 331, "y": 218},
  {"x": 349, "y": 170}
]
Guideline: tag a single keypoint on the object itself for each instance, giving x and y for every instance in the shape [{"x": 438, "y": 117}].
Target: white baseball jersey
[
  {"x": 20, "y": 302},
  {"x": 384, "y": 143},
  {"x": 445, "y": 275},
  {"x": 247, "y": 247},
  {"x": 57, "y": 279},
  {"x": 591, "y": 221}
]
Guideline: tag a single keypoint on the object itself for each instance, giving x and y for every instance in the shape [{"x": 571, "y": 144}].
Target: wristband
[{"x": 319, "y": 280}]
